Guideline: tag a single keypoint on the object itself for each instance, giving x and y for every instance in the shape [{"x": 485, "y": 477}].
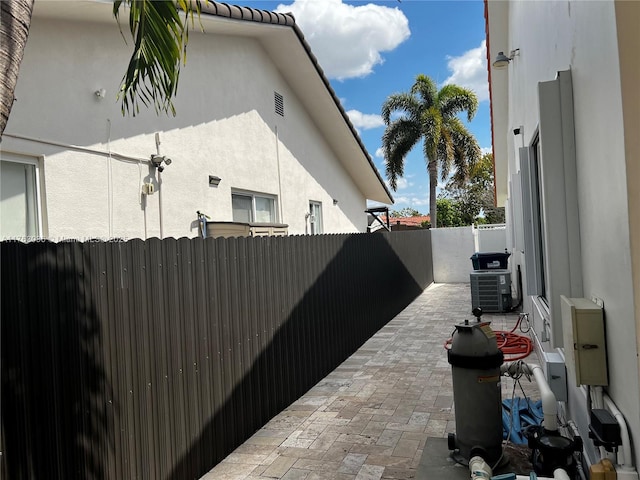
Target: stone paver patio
[{"x": 370, "y": 418}]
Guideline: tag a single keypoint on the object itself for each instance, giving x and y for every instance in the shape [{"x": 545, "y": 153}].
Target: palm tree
[
  {"x": 160, "y": 38},
  {"x": 15, "y": 19},
  {"x": 430, "y": 115}
]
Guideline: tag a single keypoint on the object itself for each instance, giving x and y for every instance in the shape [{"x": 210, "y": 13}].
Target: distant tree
[
  {"x": 448, "y": 213},
  {"x": 430, "y": 115},
  {"x": 475, "y": 197},
  {"x": 405, "y": 213}
]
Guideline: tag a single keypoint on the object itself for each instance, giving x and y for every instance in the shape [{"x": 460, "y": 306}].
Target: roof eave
[{"x": 496, "y": 16}]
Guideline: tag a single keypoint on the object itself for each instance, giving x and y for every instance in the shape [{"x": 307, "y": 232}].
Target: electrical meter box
[{"x": 585, "y": 349}]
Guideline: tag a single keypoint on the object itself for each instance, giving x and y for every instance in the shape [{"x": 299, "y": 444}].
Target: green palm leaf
[{"x": 160, "y": 38}]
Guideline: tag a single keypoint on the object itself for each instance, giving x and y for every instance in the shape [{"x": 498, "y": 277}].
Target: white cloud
[
  {"x": 348, "y": 40},
  {"x": 401, "y": 184},
  {"x": 470, "y": 71},
  {"x": 364, "y": 121},
  {"x": 486, "y": 150},
  {"x": 412, "y": 202},
  {"x": 379, "y": 153}
]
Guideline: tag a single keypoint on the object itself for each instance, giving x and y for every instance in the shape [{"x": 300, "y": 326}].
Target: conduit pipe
[
  {"x": 558, "y": 474},
  {"x": 107, "y": 153},
  {"x": 625, "y": 460},
  {"x": 549, "y": 402}
]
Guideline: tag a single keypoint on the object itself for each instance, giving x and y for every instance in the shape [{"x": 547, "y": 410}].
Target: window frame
[
  {"x": 313, "y": 218},
  {"x": 35, "y": 162},
  {"x": 555, "y": 238},
  {"x": 533, "y": 219},
  {"x": 253, "y": 196}
]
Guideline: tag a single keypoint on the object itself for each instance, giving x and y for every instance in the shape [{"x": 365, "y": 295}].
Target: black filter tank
[{"x": 475, "y": 369}]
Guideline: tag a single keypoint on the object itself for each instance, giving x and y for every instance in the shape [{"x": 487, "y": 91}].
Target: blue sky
[{"x": 371, "y": 49}]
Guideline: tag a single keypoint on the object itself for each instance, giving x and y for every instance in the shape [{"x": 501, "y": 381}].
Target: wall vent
[{"x": 279, "y": 103}]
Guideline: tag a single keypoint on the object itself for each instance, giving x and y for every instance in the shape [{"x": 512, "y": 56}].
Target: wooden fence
[{"x": 155, "y": 359}]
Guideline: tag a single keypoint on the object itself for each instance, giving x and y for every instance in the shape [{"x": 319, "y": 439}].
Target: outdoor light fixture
[
  {"x": 214, "y": 181},
  {"x": 502, "y": 60},
  {"x": 158, "y": 160}
]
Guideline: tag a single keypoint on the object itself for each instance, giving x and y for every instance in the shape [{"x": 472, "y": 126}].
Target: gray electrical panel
[
  {"x": 491, "y": 290},
  {"x": 584, "y": 341}
]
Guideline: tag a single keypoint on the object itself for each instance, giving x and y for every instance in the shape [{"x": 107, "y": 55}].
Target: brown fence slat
[{"x": 155, "y": 359}]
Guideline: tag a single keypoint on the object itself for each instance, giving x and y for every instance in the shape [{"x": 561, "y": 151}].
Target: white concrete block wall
[{"x": 452, "y": 249}]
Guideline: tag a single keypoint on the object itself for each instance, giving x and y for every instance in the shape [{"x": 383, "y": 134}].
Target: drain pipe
[{"x": 549, "y": 403}]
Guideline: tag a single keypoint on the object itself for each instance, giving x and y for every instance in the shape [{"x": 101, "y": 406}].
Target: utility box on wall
[{"x": 585, "y": 349}]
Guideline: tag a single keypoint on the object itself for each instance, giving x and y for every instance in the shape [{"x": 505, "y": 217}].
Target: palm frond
[
  {"x": 404, "y": 104},
  {"x": 453, "y": 100},
  {"x": 445, "y": 152},
  {"x": 425, "y": 88},
  {"x": 160, "y": 39},
  {"x": 431, "y": 130},
  {"x": 466, "y": 151},
  {"x": 397, "y": 141}
]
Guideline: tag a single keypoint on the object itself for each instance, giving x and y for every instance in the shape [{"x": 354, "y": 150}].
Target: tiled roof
[
  {"x": 246, "y": 13},
  {"x": 237, "y": 12},
  {"x": 409, "y": 221}
]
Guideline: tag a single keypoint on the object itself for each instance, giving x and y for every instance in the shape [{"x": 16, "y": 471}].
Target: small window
[
  {"x": 253, "y": 208},
  {"x": 19, "y": 200},
  {"x": 315, "y": 218},
  {"x": 279, "y": 103}
]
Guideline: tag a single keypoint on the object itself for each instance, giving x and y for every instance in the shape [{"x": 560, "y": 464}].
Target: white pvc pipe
[
  {"x": 558, "y": 474},
  {"x": 549, "y": 402},
  {"x": 479, "y": 469},
  {"x": 625, "y": 460}
]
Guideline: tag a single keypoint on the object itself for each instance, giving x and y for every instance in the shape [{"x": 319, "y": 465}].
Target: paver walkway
[{"x": 369, "y": 419}]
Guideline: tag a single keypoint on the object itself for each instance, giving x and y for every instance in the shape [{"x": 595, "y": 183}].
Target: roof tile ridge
[{"x": 238, "y": 12}]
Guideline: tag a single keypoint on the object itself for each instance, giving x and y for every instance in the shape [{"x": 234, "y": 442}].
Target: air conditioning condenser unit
[{"x": 491, "y": 290}]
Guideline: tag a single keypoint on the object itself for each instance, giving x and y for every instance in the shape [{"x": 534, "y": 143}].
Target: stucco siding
[
  {"x": 226, "y": 126},
  {"x": 581, "y": 37}
]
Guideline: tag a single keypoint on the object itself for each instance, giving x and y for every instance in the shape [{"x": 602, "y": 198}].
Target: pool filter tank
[{"x": 475, "y": 369}]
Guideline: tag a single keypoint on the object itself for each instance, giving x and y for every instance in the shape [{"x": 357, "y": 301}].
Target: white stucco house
[
  {"x": 259, "y": 135},
  {"x": 565, "y": 113}
]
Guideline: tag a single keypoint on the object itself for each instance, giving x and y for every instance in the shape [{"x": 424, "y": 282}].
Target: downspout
[
  {"x": 160, "y": 215},
  {"x": 109, "y": 180},
  {"x": 279, "y": 176}
]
